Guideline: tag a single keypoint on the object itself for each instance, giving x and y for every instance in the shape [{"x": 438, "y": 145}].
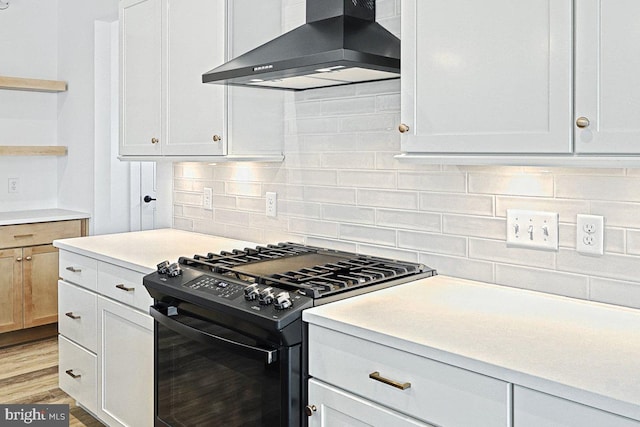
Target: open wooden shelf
[
  {"x": 38, "y": 85},
  {"x": 33, "y": 150}
]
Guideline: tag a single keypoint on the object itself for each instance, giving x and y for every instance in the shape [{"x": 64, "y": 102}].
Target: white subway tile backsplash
[
  {"x": 475, "y": 226},
  {"x": 433, "y": 181},
  {"x": 388, "y": 199},
  {"x": 549, "y": 281},
  {"x": 599, "y": 188},
  {"x": 457, "y": 203},
  {"x": 359, "y": 233},
  {"x": 341, "y": 187},
  {"x": 615, "y": 292},
  {"x": 533, "y": 185},
  {"x": 367, "y": 179},
  {"x": 351, "y": 214},
  {"x": 433, "y": 242},
  {"x": 497, "y": 251},
  {"x": 407, "y": 219}
]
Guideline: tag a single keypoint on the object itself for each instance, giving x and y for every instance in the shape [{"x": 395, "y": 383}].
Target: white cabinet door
[
  {"x": 256, "y": 115},
  {"x": 140, "y": 77},
  {"x": 196, "y": 113},
  {"x": 125, "y": 365},
  {"x": 607, "y": 69},
  {"x": 491, "y": 76},
  {"x": 534, "y": 409},
  {"x": 335, "y": 407}
]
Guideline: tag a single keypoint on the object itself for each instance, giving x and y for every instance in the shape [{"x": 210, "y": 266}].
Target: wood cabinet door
[
  {"x": 492, "y": 76},
  {"x": 140, "y": 77},
  {"x": 11, "y": 289},
  {"x": 40, "y": 283},
  {"x": 607, "y": 86},
  {"x": 194, "y": 40}
]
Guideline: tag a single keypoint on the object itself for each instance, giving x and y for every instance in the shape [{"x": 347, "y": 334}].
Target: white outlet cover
[
  {"x": 532, "y": 229},
  {"x": 208, "y": 198},
  {"x": 271, "y": 208},
  {"x": 590, "y": 234}
]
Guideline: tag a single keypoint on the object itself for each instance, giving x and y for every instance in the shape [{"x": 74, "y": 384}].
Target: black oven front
[{"x": 210, "y": 375}]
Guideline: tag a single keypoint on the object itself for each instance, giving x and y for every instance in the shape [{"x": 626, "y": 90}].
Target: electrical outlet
[
  {"x": 208, "y": 198},
  {"x": 14, "y": 185},
  {"x": 271, "y": 204},
  {"x": 590, "y": 234},
  {"x": 532, "y": 229}
]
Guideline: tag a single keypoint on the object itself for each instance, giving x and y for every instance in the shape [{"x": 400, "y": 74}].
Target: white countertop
[
  {"x": 143, "y": 250},
  {"x": 39, "y": 215},
  {"x": 583, "y": 351}
]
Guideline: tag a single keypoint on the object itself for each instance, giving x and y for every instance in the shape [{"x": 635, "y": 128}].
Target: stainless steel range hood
[{"x": 340, "y": 44}]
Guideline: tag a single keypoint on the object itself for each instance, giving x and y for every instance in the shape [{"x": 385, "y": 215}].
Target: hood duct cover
[{"x": 340, "y": 44}]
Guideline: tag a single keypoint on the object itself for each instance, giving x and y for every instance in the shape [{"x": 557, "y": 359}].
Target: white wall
[
  {"x": 28, "y": 46},
  {"x": 341, "y": 187}
]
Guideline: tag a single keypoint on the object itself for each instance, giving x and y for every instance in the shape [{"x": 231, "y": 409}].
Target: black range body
[
  {"x": 229, "y": 338},
  {"x": 341, "y": 43}
]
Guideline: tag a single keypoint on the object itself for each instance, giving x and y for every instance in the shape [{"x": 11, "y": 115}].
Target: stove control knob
[
  {"x": 266, "y": 296},
  {"x": 174, "y": 270},
  {"x": 163, "y": 267},
  {"x": 283, "y": 301},
  {"x": 251, "y": 292}
]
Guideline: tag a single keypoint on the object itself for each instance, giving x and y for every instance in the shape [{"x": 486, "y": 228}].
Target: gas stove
[{"x": 270, "y": 285}]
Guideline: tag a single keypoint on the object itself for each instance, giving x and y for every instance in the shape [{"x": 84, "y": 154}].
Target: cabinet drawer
[
  {"x": 439, "y": 393},
  {"x": 532, "y": 409},
  {"x": 123, "y": 285},
  {"x": 41, "y": 233},
  {"x": 78, "y": 269},
  {"x": 77, "y": 310},
  {"x": 76, "y": 361}
]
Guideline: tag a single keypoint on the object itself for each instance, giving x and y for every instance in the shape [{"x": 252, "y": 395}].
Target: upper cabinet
[
  {"x": 166, "y": 110},
  {"x": 493, "y": 81}
]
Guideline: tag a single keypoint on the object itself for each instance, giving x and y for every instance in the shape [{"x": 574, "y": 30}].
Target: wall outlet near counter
[
  {"x": 590, "y": 234},
  {"x": 14, "y": 185},
  {"x": 208, "y": 198},
  {"x": 532, "y": 229},
  {"x": 271, "y": 204}
]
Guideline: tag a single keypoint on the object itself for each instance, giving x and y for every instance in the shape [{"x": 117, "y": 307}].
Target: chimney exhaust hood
[{"x": 341, "y": 43}]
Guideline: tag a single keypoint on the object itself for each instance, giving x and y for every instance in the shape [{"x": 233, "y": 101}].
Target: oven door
[{"x": 208, "y": 375}]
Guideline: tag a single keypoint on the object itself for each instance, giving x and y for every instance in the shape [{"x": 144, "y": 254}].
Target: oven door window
[{"x": 208, "y": 375}]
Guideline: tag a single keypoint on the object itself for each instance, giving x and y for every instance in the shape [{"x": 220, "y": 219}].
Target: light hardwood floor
[{"x": 29, "y": 374}]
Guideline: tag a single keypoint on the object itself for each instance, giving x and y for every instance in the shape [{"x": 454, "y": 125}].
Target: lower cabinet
[
  {"x": 125, "y": 359},
  {"x": 106, "y": 340},
  {"x": 535, "y": 409},
  {"x": 336, "y": 407},
  {"x": 424, "y": 390}
]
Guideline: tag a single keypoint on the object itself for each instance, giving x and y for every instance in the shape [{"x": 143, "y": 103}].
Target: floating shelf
[
  {"x": 38, "y": 85},
  {"x": 33, "y": 150}
]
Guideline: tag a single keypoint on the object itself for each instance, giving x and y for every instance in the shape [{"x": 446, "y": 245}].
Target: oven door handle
[{"x": 269, "y": 356}]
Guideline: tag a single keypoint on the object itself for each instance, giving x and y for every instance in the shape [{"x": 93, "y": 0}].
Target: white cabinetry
[
  {"x": 535, "y": 409},
  {"x": 106, "y": 340},
  {"x": 494, "y": 80},
  {"x": 166, "y": 110},
  {"x": 607, "y": 66},
  {"x": 382, "y": 377}
]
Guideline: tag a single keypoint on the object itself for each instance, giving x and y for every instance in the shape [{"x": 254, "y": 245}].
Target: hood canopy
[{"x": 340, "y": 44}]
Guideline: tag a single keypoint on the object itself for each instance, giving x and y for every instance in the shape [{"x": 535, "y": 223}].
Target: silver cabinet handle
[
  {"x": 74, "y": 270},
  {"x": 154, "y": 140},
  {"x": 19, "y": 259},
  {"x": 217, "y": 138},
  {"x": 124, "y": 288},
  {"x": 22, "y": 236},
  {"x": 28, "y": 258},
  {"x": 71, "y": 315},
  {"x": 376, "y": 376},
  {"x": 72, "y": 375},
  {"x": 403, "y": 128}
]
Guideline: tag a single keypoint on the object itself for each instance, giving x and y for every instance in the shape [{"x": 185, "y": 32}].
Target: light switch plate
[{"x": 532, "y": 229}]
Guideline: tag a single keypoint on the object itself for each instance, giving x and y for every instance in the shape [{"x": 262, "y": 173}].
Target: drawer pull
[
  {"x": 72, "y": 375},
  {"x": 376, "y": 376},
  {"x": 71, "y": 315},
  {"x": 74, "y": 270},
  {"x": 22, "y": 236},
  {"x": 124, "y": 288}
]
